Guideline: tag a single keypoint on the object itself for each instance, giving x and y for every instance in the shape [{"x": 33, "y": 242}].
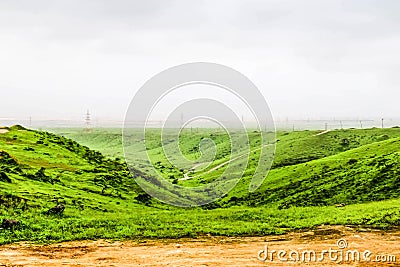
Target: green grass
[{"x": 310, "y": 174}]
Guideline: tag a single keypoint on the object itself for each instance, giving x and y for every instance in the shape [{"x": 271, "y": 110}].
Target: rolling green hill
[
  {"x": 31, "y": 159},
  {"x": 364, "y": 174},
  {"x": 309, "y": 169},
  {"x": 311, "y": 173}
]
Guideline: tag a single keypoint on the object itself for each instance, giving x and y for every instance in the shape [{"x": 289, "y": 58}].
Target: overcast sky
[{"x": 310, "y": 59}]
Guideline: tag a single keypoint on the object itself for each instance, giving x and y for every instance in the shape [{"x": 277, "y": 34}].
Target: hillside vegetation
[
  {"x": 309, "y": 168},
  {"x": 311, "y": 173}
]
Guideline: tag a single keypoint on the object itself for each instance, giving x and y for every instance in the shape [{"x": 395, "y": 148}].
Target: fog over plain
[{"x": 310, "y": 59}]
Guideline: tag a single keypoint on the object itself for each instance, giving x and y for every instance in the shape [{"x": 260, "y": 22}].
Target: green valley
[{"x": 86, "y": 173}]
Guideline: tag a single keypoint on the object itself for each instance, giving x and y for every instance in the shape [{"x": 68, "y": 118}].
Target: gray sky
[{"x": 310, "y": 59}]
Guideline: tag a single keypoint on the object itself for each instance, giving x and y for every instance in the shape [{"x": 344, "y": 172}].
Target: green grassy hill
[
  {"x": 32, "y": 160},
  {"x": 364, "y": 174},
  {"x": 309, "y": 169},
  {"x": 311, "y": 173}
]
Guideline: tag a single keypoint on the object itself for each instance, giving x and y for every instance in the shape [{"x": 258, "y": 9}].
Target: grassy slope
[
  {"x": 367, "y": 173},
  {"x": 367, "y": 161},
  {"x": 350, "y": 166}
]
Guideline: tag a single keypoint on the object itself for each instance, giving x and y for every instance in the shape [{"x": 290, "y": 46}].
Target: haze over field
[
  {"x": 310, "y": 59},
  {"x": 199, "y": 132}
]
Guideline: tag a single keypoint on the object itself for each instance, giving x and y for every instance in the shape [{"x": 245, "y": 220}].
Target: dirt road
[
  {"x": 187, "y": 177},
  {"x": 215, "y": 251}
]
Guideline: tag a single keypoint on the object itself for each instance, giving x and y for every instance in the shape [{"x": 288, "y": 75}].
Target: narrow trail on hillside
[
  {"x": 321, "y": 133},
  {"x": 187, "y": 177}
]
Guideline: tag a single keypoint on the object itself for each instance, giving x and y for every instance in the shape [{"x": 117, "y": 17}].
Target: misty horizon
[{"x": 311, "y": 60}]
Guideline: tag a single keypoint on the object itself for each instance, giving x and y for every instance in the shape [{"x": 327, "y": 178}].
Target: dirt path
[
  {"x": 209, "y": 251},
  {"x": 3, "y": 131},
  {"x": 187, "y": 177},
  {"x": 321, "y": 133}
]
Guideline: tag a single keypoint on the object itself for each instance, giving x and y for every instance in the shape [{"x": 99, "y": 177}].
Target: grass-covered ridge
[
  {"x": 311, "y": 168},
  {"x": 311, "y": 173}
]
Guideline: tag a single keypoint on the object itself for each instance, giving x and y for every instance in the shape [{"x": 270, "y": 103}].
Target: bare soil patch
[{"x": 208, "y": 251}]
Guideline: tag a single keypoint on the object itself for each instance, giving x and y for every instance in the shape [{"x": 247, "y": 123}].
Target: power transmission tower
[{"x": 87, "y": 121}]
